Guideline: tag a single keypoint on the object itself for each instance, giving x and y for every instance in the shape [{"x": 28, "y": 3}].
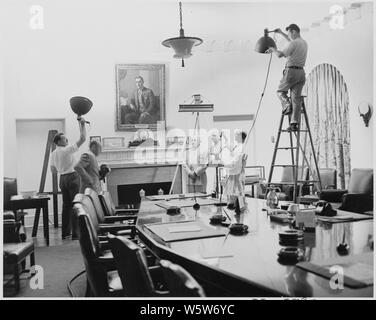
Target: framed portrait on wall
[{"x": 140, "y": 96}]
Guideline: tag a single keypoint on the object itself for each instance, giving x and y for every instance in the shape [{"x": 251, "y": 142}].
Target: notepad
[
  {"x": 357, "y": 269},
  {"x": 187, "y": 230},
  {"x": 190, "y": 228}
]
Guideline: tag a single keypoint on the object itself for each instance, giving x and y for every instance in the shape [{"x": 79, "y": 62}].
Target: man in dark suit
[
  {"x": 88, "y": 168},
  {"x": 143, "y": 102}
]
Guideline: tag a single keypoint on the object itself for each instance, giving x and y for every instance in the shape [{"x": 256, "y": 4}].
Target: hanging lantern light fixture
[{"x": 182, "y": 45}]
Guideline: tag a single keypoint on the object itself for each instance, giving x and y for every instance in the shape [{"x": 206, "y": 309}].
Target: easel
[{"x": 50, "y": 146}]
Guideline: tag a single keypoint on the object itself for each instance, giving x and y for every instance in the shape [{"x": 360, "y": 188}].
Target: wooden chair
[
  {"x": 358, "y": 197},
  {"x": 328, "y": 178},
  {"x": 10, "y": 189},
  {"x": 179, "y": 282},
  {"x": 109, "y": 207},
  {"x": 108, "y": 223},
  {"x": 138, "y": 279},
  {"x": 102, "y": 277},
  {"x": 286, "y": 185}
]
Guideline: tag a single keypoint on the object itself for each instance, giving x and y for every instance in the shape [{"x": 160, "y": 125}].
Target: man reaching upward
[
  {"x": 293, "y": 75},
  {"x": 62, "y": 162}
]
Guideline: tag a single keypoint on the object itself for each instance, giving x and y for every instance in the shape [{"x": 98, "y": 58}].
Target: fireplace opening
[{"x": 129, "y": 194}]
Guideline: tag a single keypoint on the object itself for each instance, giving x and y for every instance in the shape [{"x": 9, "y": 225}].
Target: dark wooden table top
[
  {"x": 28, "y": 203},
  {"x": 248, "y": 261}
]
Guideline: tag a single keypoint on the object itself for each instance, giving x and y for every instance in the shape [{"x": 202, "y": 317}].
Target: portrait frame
[
  {"x": 113, "y": 143},
  {"x": 96, "y": 138},
  {"x": 132, "y": 103}
]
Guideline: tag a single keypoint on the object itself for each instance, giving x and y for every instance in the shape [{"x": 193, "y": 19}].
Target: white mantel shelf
[
  {"x": 141, "y": 156},
  {"x": 135, "y": 164}
]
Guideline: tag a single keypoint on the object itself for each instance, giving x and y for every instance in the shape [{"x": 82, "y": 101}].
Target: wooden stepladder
[
  {"x": 50, "y": 146},
  {"x": 295, "y": 150}
]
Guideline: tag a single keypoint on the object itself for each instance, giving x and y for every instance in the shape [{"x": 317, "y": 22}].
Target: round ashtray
[
  {"x": 238, "y": 228},
  {"x": 290, "y": 254},
  {"x": 291, "y": 234},
  {"x": 217, "y": 219}
]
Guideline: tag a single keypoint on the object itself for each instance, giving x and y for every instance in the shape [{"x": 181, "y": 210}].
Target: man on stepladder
[
  {"x": 293, "y": 75},
  {"x": 62, "y": 162}
]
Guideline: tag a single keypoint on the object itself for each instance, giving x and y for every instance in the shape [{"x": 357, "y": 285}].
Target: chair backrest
[
  {"x": 132, "y": 267},
  {"x": 10, "y": 189},
  {"x": 93, "y": 195},
  {"x": 107, "y": 203},
  {"x": 287, "y": 174},
  {"x": 361, "y": 181},
  {"x": 328, "y": 178},
  {"x": 88, "y": 235},
  {"x": 89, "y": 207},
  {"x": 179, "y": 282},
  {"x": 90, "y": 249}
]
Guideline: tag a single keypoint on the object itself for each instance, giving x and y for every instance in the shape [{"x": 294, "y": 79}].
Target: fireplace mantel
[
  {"x": 132, "y": 173},
  {"x": 141, "y": 156}
]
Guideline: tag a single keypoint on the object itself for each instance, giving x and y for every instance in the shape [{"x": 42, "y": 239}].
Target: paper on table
[
  {"x": 306, "y": 217},
  {"x": 184, "y": 229},
  {"x": 360, "y": 271}
]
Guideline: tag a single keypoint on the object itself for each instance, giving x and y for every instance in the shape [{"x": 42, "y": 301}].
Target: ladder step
[
  {"x": 286, "y": 148},
  {"x": 281, "y": 183},
  {"x": 305, "y": 181},
  {"x": 301, "y": 130},
  {"x": 283, "y": 165},
  {"x": 287, "y": 183}
]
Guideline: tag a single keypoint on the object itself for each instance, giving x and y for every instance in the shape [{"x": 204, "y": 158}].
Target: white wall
[{"x": 76, "y": 53}]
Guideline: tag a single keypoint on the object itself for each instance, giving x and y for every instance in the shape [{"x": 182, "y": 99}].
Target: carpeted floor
[{"x": 60, "y": 264}]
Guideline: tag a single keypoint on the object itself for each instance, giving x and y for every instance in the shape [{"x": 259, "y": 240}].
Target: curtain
[{"x": 327, "y": 105}]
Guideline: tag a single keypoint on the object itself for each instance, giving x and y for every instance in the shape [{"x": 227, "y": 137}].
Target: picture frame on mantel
[
  {"x": 96, "y": 138},
  {"x": 109, "y": 143},
  {"x": 140, "y": 96}
]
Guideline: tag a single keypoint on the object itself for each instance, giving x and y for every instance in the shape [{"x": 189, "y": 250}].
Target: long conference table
[{"x": 247, "y": 265}]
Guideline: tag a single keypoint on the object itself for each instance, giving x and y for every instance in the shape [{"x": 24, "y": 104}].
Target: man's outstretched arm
[
  {"x": 279, "y": 31},
  {"x": 82, "y": 139}
]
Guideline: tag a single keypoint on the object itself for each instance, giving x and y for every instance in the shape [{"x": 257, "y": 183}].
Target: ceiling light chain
[{"x": 182, "y": 44}]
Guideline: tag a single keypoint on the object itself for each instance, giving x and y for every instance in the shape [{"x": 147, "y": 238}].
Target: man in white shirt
[
  {"x": 293, "y": 75},
  {"x": 62, "y": 162}
]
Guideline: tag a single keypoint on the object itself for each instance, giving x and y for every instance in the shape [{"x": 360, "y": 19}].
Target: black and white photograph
[{"x": 199, "y": 150}]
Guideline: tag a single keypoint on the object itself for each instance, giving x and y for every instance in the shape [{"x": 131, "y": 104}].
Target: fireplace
[
  {"x": 126, "y": 180},
  {"x": 129, "y": 194}
]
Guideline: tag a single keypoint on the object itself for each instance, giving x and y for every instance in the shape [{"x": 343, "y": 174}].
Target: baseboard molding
[{"x": 29, "y": 220}]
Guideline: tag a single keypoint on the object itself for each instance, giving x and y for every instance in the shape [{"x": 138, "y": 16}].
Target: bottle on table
[{"x": 272, "y": 198}]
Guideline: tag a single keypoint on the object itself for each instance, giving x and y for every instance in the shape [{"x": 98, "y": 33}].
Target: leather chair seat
[
  {"x": 359, "y": 196},
  {"x": 9, "y": 215},
  {"x": 17, "y": 252}
]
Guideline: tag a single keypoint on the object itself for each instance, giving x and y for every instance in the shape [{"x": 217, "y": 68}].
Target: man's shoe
[
  {"x": 292, "y": 127},
  {"x": 231, "y": 206},
  {"x": 66, "y": 236}
]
